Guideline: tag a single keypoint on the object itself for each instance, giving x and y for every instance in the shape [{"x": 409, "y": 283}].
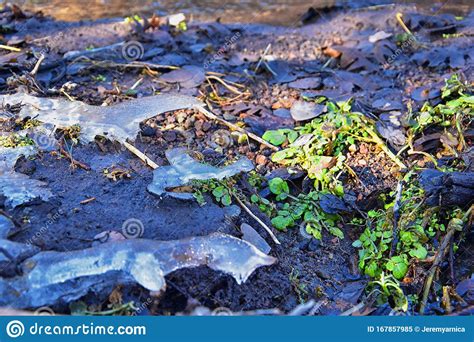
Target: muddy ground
[{"x": 306, "y": 269}]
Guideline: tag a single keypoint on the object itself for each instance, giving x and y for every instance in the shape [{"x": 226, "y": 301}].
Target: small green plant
[
  {"x": 182, "y": 26},
  {"x": 388, "y": 289},
  {"x": 319, "y": 147},
  {"x": 131, "y": 19},
  {"x": 303, "y": 208},
  {"x": 15, "y": 140},
  {"x": 265, "y": 206},
  {"x": 31, "y": 123},
  {"x": 456, "y": 109},
  {"x": 72, "y": 133},
  {"x": 99, "y": 78},
  {"x": 221, "y": 190},
  {"x": 255, "y": 179},
  {"x": 417, "y": 226},
  {"x": 299, "y": 287}
]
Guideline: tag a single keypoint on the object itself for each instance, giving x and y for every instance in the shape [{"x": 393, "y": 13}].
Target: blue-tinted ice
[
  {"x": 60, "y": 277},
  {"x": 183, "y": 169},
  {"x": 17, "y": 187},
  {"x": 120, "y": 121}
]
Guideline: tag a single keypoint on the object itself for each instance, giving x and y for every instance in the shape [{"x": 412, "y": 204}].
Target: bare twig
[
  {"x": 269, "y": 231},
  {"x": 232, "y": 88},
  {"x": 135, "y": 64},
  {"x": 73, "y": 161},
  {"x": 436, "y": 263},
  {"x": 212, "y": 116},
  {"x": 399, "y": 16},
  {"x": 140, "y": 155},
  {"x": 37, "y": 65},
  {"x": 262, "y": 57},
  {"x": 88, "y": 200},
  {"x": 10, "y": 48}
]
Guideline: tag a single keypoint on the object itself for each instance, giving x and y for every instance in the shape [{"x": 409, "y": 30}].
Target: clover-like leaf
[{"x": 274, "y": 137}]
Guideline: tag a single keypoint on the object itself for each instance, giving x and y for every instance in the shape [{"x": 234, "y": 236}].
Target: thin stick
[
  {"x": 10, "y": 48},
  {"x": 269, "y": 231},
  {"x": 73, "y": 161},
  {"x": 37, "y": 65},
  {"x": 399, "y": 16},
  {"x": 140, "y": 155},
  {"x": 136, "y": 84},
  {"x": 438, "y": 259},
  {"x": 221, "y": 81},
  {"x": 212, "y": 116},
  {"x": 262, "y": 57},
  {"x": 88, "y": 200}
]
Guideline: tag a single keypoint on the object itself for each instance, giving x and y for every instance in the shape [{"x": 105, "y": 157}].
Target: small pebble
[
  {"x": 169, "y": 136},
  {"x": 261, "y": 159},
  {"x": 363, "y": 149}
]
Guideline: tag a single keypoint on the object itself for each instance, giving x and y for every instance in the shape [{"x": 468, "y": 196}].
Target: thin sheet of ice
[
  {"x": 51, "y": 278},
  {"x": 119, "y": 121},
  {"x": 9, "y": 156},
  {"x": 17, "y": 187},
  {"x": 183, "y": 169}
]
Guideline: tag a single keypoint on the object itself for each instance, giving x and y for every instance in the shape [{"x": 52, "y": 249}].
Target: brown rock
[{"x": 261, "y": 159}]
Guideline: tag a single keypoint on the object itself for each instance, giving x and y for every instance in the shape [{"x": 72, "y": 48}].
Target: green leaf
[
  {"x": 398, "y": 266},
  {"x": 218, "y": 192},
  {"x": 314, "y": 230},
  {"x": 372, "y": 269},
  {"x": 279, "y": 156},
  {"x": 336, "y": 232},
  {"x": 339, "y": 190},
  {"x": 419, "y": 253},
  {"x": 282, "y": 222},
  {"x": 274, "y": 137},
  {"x": 292, "y": 136},
  {"x": 226, "y": 200},
  {"x": 278, "y": 186},
  {"x": 357, "y": 244},
  {"x": 372, "y": 213}
]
